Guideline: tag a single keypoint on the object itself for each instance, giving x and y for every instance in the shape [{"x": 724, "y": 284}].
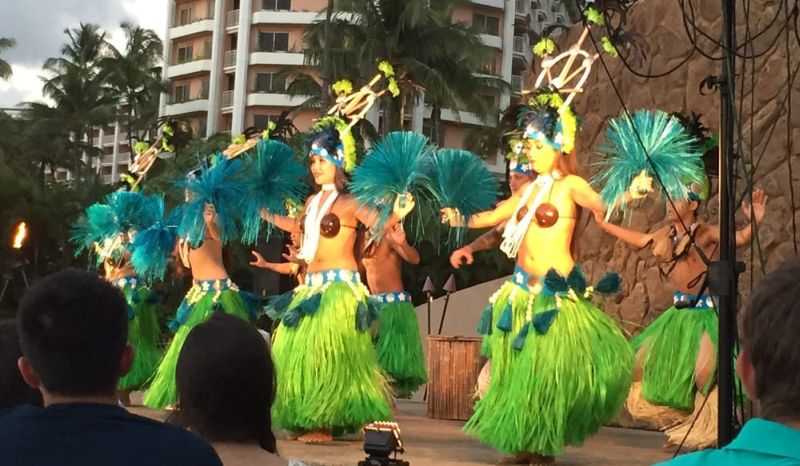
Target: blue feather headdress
[
  {"x": 218, "y": 184},
  {"x": 107, "y": 228},
  {"x": 672, "y": 153},
  {"x": 395, "y": 166},
  {"x": 152, "y": 247},
  {"x": 461, "y": 181},
  {"x": 272, "y": 178}
]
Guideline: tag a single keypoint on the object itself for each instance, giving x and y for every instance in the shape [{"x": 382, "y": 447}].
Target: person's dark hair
[
  {"x": 770, "y": 328},
  {"x": 226, "y": 383},
  {"x": 13, "y": 390},
  {"x": 73, "y": 327}
]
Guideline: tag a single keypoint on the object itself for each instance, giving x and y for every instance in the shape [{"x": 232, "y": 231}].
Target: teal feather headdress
[
  {"x": 107, "y": 228},
  {"x": 152, "y": 247},
  {"x": 461, "y": 181},
  {"x": 272, "y": 178},
  {"x": 672, "y": 154},
  {"x": 394, "y": 166},
  {"x": 219, "y": 185}
]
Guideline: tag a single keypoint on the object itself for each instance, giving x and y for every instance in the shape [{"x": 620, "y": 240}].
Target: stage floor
[{"x": 435, "y": 442}]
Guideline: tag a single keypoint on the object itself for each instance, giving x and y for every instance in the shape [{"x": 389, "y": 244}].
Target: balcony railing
[
  {"x": 232, "y": 19},
  {"x": 204, "y": 55},
  {"x": 227, "y": 99},
  {"x": 520, "y": 44},
  {"x": 202, "y": 95},
  {"x": 522, "y": 7},
  {"x": 193, "y": 20},
  {"x": 516, "y": 84},
  {"x": 230, "y": 58}
]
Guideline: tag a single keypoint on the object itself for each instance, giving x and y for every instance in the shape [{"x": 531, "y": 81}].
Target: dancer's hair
[
  {"x": 769, "y": 334},
  {"x": 73, "y": 329},
  {"x": 13, "y": 389},
  {"x": 226, "y": 382}
]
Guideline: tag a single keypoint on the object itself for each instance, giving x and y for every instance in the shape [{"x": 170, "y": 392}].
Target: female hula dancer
[
  {"x": 330, "y": 381},
  {"x": 111, "y": 228},
  {"x": 206, "y": 222},
  {"x": 560, "y": 366}
]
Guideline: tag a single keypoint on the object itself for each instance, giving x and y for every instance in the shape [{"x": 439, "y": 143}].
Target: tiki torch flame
[{"x": 20, "y": 235}]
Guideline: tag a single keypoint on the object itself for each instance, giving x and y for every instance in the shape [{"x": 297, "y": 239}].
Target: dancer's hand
[
  {"x": 452, "y": 217},
  {"x": 259, "y": 261},
  {"x": 755, "y": 211},
  {"x": 209, "y": 213},
  {"x": 397, "y": 234},
  {"x": 291, "y": 254},
  {"x": 641, "y": 186},
  {"x": 403, "y": 205},
  {"x": 460, "y": 256}
]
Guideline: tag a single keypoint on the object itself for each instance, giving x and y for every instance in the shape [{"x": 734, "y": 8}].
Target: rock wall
[{"x": 659, "y": 23}]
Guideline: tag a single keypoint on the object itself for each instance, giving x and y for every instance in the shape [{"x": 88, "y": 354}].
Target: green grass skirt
[
  {"x": 399, "y": 347},
  {"x": 327, "y": 369},
  {"x": 672, "y": 344},
  {"x": 143, "y": 335},
  {"x": 162, "y": 391},
  {"x": 560, "y": 386},
  {"x": 497, "y": 344}
]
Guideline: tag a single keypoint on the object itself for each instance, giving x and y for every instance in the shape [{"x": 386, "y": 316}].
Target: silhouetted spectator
[
  {"x": 73, "y": 330},
  {"x": 13, "y": 390}
]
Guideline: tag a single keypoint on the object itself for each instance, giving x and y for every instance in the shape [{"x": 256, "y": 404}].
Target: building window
[
  {"x": 186, "y": 16},
  {"x": 185, "y": 54},
  {"x": 261, "y": 121},
  {"x": 270, "y": 82},
  {"x": 181, "y": 93},
  {"x": 273, "y": 41},
  {"x": 489, "y": 67},
  {"x": 276, "y": 5},
  {"x": 541, "y": 17},
  {"x": 204, "y": 85},
  {"x": 535, "y": 5},
  {"x": 486, "y": 24},
  {"x": 559, "y": 20},
  {"x": 489, "y": 99}
]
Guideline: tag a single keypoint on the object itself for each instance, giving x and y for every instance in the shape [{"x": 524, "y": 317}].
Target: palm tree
[
  {"x": 135, "y": 78},
  {"x": 5, "y": 68},
  {"x": 78, "y": 86},
  {"x": 430, "y": 54}
]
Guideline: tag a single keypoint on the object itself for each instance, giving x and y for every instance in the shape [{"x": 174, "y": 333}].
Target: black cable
[
  {"x": 697, "y": 29},
  {"x": 780, "y": 109},
  {"x": 628, "y": 114},
  {"x": 789, "y": 133}
]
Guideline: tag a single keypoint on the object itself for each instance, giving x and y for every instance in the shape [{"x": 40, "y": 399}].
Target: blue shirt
[
  {"x": 80, "y": 434},
  {"x": 761, "y": 442}
]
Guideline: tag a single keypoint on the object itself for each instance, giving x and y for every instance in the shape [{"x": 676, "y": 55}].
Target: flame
[{"x": 20, "y": 235}]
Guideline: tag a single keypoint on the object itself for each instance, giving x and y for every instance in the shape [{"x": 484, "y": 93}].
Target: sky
[{"x": 38, "y": 27}]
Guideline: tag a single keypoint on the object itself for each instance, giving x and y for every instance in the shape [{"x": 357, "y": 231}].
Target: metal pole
[{"x": 727, "y": 273}]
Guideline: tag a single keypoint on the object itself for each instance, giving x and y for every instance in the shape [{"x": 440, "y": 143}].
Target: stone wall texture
[{"x": 766, "y": 142}]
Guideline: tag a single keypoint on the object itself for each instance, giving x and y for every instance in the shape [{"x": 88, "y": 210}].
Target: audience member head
[
  {"x": 13, "y": 390},
  {"x": 769, "y": 362},
  {"x": 73, "y": 330},
  {"x": 226, "y": 382}
]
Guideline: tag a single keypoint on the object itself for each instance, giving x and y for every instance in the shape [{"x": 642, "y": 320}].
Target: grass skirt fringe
[
  {"x": 162, "y": 391},
  {"x": 143, "y": 335},
  {"x": 399, "y": 347},
  {"x": 327, "y": 369},
  {"x": 671, "y": 344},
  {"x": 701, "y": 425},
  {"x": 509, "y": 306},
  {"x": 561, "y": 386}
]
